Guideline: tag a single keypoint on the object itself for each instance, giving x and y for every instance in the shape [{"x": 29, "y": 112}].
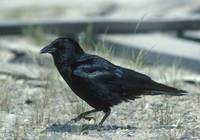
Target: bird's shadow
[{"x": 77, "y": 128}]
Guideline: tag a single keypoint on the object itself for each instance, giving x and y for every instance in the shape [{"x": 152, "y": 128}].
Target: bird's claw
[
  {"x": 89, "y": 118},
  {"x": 74, "y": 120}
]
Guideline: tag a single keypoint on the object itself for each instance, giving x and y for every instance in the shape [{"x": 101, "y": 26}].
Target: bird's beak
[{"x": 48, "y": 49}]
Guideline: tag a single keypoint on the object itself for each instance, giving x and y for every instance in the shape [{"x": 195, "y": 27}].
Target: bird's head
[{"x": 65, "y": 47}]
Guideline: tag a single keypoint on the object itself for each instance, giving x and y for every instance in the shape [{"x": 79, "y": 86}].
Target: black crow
[{"x": 99, "y": 82}]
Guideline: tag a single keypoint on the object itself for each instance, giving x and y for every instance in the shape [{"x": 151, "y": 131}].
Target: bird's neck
[{"x": 62, "y": 61}]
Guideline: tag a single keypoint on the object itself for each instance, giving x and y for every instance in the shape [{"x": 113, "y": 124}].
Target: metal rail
[{"x": 101, "y": 25}]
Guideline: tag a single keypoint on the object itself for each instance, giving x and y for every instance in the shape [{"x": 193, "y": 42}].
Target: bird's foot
[
  {"x": 89, "y": 118},
  {"x": 74, "y": 120}
]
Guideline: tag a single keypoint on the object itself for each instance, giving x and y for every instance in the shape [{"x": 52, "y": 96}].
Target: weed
[
  {"x": 163, "y": 113},
  {"x": 35, "y": 35},
  {"x": 79, "y": 107}
]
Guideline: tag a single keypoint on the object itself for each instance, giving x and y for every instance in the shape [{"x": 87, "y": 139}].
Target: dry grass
[
  {"x": 157, "y": 117},
  {"x": 51, "y": 106},
  {"x": 32, "y": 112}
]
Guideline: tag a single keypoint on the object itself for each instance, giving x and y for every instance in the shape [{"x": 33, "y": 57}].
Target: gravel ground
[{"x": 38, "y": 107}]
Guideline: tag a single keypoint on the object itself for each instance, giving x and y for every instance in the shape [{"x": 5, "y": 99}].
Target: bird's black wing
[{"x": 111, "y": 80}]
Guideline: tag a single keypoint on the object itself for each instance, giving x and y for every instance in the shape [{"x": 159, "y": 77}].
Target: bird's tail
[{"x": 160, "y": 89}]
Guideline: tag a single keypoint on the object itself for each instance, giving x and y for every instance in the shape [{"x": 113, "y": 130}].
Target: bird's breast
[{"x": 65, "y": 71}]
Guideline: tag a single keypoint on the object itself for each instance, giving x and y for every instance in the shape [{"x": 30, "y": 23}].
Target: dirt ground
[{"x": 36, "y": 104}]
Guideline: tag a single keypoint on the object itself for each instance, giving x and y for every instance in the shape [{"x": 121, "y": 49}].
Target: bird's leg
[
  {"x": 107, "y": 113},
  {"x": 79, "y": 117}
]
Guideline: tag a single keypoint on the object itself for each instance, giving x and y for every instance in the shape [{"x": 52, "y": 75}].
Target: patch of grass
[
  {"x": 35, "y": 35},
  {"x": 79, "y": 107},
  {"x": 6, "y": 95},
  {"x": 4, "y": 101},
  {"x": 137, "y": 60},
  {"x": 20, "y": 129},
  {"x": 176, "y": 134},
  {"x": 85, "y": 39},
  {"x": 171, "y": 75},
  {"x": 163, "y": 113}
]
